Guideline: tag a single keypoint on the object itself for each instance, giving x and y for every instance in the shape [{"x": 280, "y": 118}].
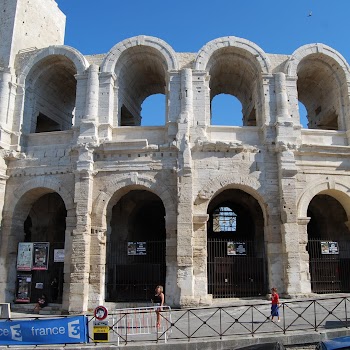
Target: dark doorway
[
  {"x": 236, "y": 254},
  {"x": 136, "y": 248},
  {"x": 46, "y": 222},
  {"x": 328, "y": 246}
]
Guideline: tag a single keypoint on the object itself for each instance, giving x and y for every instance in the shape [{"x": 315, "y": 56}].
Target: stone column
[
  {"x": 88, "y": 125},
  {"x": 174, "y": 108},
  {"x": 185, "y": 278},
  {"x": 285, "y": 146},
  {"x": 305, "y": 278},
  {"x": 200, "y": 259},
  {"x": 98, "y": 266},
  {"x": 5, "y": 81},
  {"x": 106, "y": 106},
  {"x": 12, "y": 232},
  {"x": 79, "y": 282}
]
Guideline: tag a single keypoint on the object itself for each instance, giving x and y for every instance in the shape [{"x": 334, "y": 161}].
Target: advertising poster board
[
  {"x": 24, "y": 256},
  {"x": 236, "y": 248},
  {"x": 40, "y": 255},
  {"x": 329, "y": 247},
  {"x": 137, "y": 248},
  {"x": 24, "y": 282}
]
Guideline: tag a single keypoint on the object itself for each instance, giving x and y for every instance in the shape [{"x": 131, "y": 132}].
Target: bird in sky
[{"x": 310, "y": 14}]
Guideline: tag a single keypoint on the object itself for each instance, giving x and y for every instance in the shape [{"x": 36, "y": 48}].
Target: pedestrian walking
[{"x": 275, "y": 304}]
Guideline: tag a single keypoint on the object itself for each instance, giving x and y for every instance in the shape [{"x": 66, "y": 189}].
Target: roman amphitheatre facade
[{"x": 209, "y": 211}]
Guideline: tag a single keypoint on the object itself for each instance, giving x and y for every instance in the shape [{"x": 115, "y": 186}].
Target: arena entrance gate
[
  {"x": 329, "y": 265},
  {"x": 134, "y": 276},
  {"x": 236, "y": 264},
  {"x": 238, "y": 275},
  {"x": 328, "y": 245},
  {"x": 136, "y": 248}
]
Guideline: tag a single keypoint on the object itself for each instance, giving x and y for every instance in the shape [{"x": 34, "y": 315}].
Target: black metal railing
[{"x": 219, "y": 322}]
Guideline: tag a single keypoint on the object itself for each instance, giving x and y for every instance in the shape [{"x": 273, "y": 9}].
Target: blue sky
[{"x": 277, "y": 26}]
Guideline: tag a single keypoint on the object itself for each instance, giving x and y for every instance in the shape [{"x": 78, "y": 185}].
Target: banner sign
[
  {"x": 329, "y": 248},
  {"x": 44, "y": 331},
  {"x": 236, "y": 248},
  {"x": 24, "y": 256},
  {"x": 40, "y": 256},
  {"x": 137, "y": 248}
]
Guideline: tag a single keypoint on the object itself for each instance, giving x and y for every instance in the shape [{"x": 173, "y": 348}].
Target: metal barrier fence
[{"x": 240, "y": 320}]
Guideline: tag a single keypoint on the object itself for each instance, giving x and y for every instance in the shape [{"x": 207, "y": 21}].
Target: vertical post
[{"x": 185, "y": 188}]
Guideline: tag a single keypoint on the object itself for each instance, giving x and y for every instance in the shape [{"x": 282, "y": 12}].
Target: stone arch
[
  {"x": 335, "y": 189},
  {"x": 102, "y": 204},
  {"x": 72, "y": 54},
  {"x": 235, "y": 67},
  {"x": 291, "y": 66},
  {"x": 161, "y": 46},
  {"x": 41, "y": 185},
  {"x": 218, "y": 184},
  {"x": 322, "y": 85},
  {"x": 256, "y": 54}
]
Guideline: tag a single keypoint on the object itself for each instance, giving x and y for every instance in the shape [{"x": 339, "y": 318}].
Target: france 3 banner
[{"x": 47, "y": 331}]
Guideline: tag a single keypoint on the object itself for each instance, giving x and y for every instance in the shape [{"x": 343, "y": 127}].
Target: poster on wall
[
  {"x": 236, "y": 248},
  {"x": 40, "y": 255},
  {"x": 23, "y": 288},
  {"x": 137, "y": 248},
  {"x": 329, "y": 248},
  {"x": 24, "y": 256},
  {"x": 58, "y": 255}
]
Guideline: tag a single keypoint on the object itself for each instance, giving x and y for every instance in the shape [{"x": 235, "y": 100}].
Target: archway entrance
[
  {"x": 136, "y": 248},
  {"x": 328, "y": 246},
  {"x": 236, "y": 254},
  {"x": 45, "y": 227}
]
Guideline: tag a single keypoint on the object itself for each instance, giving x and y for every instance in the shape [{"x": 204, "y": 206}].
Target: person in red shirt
[{"x": 275, "y": 304}]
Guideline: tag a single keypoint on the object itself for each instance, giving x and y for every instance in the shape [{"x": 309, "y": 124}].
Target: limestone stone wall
[{"x": 92, "y": 149}]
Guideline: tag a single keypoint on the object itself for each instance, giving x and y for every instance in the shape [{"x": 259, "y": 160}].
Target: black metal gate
[
  {"x": 134, "y": 277},
  {"x": 329, "y": 267},
  {"x": 45, "y": 277},
  {"x": 234, "y": 275}
]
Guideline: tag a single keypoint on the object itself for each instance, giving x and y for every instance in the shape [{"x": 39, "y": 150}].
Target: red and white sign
[{"x": 100, "y": 313}]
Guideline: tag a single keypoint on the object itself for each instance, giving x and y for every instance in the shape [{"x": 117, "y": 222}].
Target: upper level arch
[
  {"x": 250, "y": 50},
  {"x": 141, "y": 65},
  {"x": 322, "y": 84},
  {"x": 235, "y": 67},
  {"x": 71, "y": 54},
  {"x": 164, "y": 50},
  {"x": 50, "y": 89}
]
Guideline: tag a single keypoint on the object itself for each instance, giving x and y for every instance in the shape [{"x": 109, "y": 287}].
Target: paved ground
[{"x": 240, "y": 322}]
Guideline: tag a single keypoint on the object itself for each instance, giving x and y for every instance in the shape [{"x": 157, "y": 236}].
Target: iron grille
[
  {"x": 134, "y": 277},
  {"x": 329, "y": 272},
  {"x": 234, "y": 275}
]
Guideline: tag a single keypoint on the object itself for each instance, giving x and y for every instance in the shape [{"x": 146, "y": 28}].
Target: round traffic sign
[{"x": 101, "y": 313}]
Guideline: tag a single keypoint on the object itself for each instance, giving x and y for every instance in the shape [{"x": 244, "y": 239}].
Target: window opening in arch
[
  {"x": 303, "y": 115},
  {"x": 224, "y": 220},
  {"x": 153, "y": 110},
  {"x": 226, "y": 110}
]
